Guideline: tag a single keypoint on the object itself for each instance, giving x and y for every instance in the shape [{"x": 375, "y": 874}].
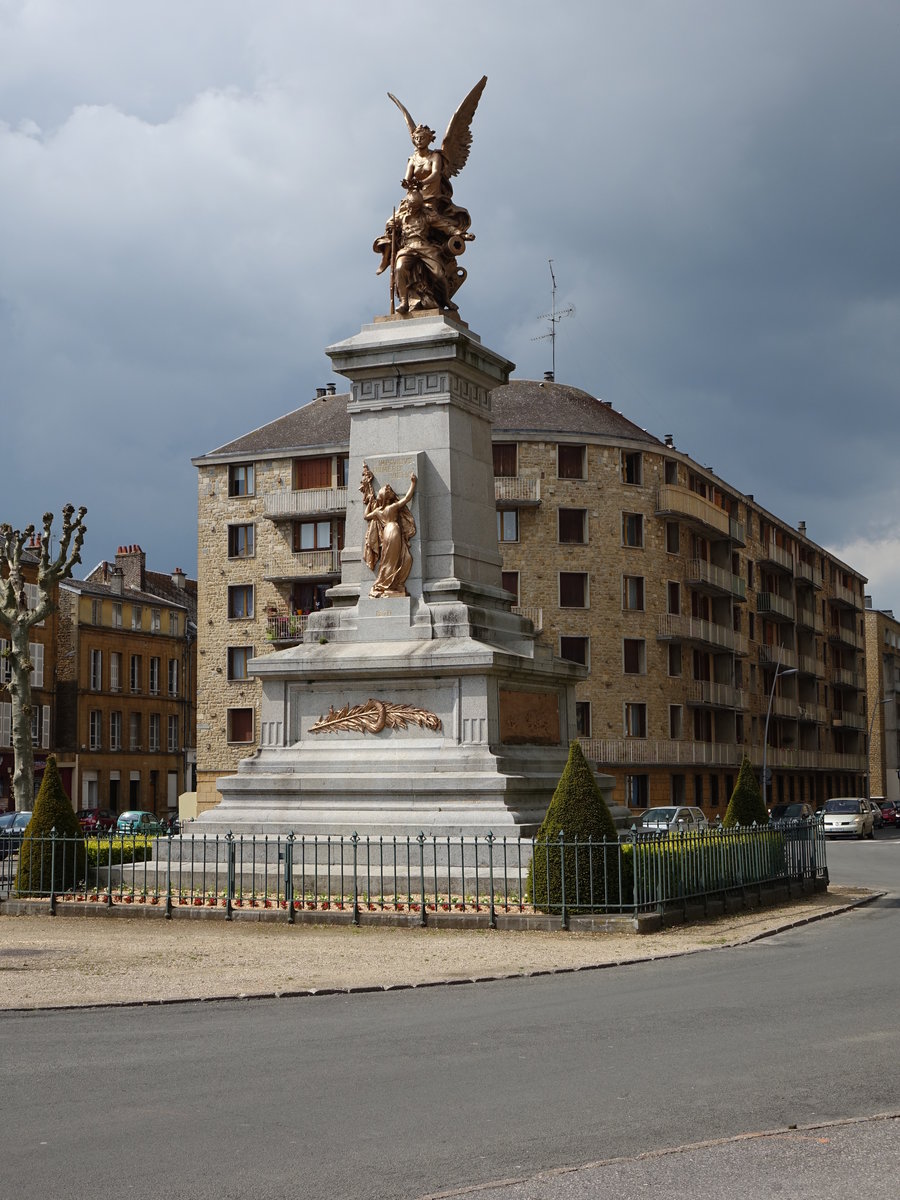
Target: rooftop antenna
[{"x": 554, "y": 316}]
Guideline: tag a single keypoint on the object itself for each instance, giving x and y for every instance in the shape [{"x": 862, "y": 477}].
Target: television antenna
[{"x": 554, "y": 316}]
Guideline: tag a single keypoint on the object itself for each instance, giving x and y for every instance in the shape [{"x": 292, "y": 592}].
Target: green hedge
[
  {"x": 121, "y": 850},
  {"x": 677, "y": 866}
]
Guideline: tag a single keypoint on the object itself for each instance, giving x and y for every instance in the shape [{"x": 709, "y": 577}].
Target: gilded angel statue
[{"x": 428, "y": 232}]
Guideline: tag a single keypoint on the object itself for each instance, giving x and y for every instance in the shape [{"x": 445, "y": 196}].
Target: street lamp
[
  {"x": 778, "y": 674},
  {"x": 875, "y": 708}
]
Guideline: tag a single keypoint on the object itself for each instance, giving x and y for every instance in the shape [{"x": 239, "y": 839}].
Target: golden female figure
[{"x": 390, "y": 528}]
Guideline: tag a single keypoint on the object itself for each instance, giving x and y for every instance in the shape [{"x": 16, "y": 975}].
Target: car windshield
[
  {"x": 657, "y": 816},
  {"x": 842, "y": 806},
  {"x": 7, "y": 819}
]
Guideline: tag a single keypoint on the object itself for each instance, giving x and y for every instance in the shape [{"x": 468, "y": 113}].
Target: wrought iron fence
[{"x": 634, "y": 874}]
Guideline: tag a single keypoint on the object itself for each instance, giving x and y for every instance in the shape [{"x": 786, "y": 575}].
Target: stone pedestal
[{"x": 492, "y": 712}]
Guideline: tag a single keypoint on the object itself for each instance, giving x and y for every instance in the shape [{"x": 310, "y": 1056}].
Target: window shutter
[
  {"x": 45, "y": 727},
  {"x": 36, "y": 652},
  {"x": 5, "y": 724}
]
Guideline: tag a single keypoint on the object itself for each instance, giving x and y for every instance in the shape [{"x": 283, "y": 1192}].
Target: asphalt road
[{"x": 403, "y": 1095}]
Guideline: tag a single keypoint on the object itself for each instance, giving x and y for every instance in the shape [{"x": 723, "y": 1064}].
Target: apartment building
[
  {"x": 709, "y": 625},
  {"x": 42, "y": 649},
  {"x": 126, "y": 688},
  {"x": 883, "y": 688}
]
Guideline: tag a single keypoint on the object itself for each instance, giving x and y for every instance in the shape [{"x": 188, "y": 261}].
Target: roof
[
  {"x": 323, "y": 421},
  {"x": 529, "y": 406},
  {"x": 186, "y": 599}
]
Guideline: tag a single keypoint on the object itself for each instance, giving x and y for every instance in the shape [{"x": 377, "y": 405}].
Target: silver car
[
  {"x": 676, "y": 818},
  {"x": 848, "y": 816}
]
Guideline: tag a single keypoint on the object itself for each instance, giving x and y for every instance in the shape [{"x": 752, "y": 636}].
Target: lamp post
[
  {"x": 875, "y": 708},
  {"x": 778, "y": 674}
]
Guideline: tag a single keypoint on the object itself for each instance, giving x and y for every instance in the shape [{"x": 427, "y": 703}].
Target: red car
[
  {"x": 890, "y": 812},
  {"x": 96, "y": 820}
]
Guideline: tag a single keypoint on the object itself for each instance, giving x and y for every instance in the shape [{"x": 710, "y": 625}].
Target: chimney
[
  {"x": 670, "y": 441},
  {"x": 867, "y": 600},
  {"x": 131, "y": 561},
  {"x": 549, "y": 377},
  {"x": 116, "y": 580},
  {"x": 801, "y": 527},
  {"x": 331, "y": 388},
  {"x": 178, "y": 578},
  {"x": 320, "y": 392}
]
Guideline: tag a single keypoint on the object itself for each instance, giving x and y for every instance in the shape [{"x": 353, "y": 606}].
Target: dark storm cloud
[{"x": 190, "y": 192}]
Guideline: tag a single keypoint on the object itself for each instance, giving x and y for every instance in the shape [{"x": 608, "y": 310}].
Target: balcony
[
  {"x": 810, "y": 760},
  {"x": 775, "y": 606},
  {"x": 681, "y": 502},
  {"x": 848, "y": 720},
  {"x": 304, "y": 564},
  {"x": 770, "y": 656},
  {"x": 808, "y": 573},
  {"x": 719, "y": 695},
  {"x": 810, "y": 618},
  {"x": 532, "y": 614},
  {"x": 286, "y": 627},
  {"x": 845, "y": 596},
  {"x": 784, "y": 706},
  {"x": 808, "y": 665},
  {"x": 716, "y": 579},
  {"x": 288, "y": 505},
  {"x": 846, "y": 636},
  {"x": 518, "y": 491},
  {"x": 673, "y": 626},
  {"x": 816, "y": 713},
  {"x": 647, "y": 752},
  {"x": 841, "y": 677},
  {"x": 776, "y": 556}
]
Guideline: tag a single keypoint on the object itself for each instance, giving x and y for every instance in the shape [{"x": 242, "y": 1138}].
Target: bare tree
[{"x": 19, "y": 619}]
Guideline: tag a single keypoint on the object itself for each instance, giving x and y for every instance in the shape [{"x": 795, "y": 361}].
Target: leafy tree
[
  {"x": 746, "y": 806},
  {"x": 579, "y": 811},
  {"x": 40, "y": 862},
  {"x": 19, "y": 619}
]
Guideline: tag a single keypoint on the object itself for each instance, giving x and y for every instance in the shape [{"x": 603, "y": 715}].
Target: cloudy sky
[{"x": 189, "y": 190}]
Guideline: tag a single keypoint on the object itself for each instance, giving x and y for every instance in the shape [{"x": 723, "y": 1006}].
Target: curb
[{"x": 363, "y": 989}]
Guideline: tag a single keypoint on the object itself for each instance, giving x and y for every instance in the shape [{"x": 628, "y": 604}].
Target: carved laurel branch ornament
[{"x": 373, "y": 716}]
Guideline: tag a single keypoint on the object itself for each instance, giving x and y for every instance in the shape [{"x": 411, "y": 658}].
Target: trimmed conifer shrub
[
  {"x": 591, "y": 871},
  {"x": 43, "y": 867},
  {"x": 746, "y": 806}
]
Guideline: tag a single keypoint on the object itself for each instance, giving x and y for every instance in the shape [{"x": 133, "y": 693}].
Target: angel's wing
[
  {"x": 409, "y": 121},
  {"x": 458, "y": 138}
]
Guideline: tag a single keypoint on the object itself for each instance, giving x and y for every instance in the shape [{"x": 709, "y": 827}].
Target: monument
[{"x": 419, "y": 700}]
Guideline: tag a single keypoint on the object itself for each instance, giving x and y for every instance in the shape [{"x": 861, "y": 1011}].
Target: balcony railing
[
  {"x": 700, "y": 571},
  {"x": 517, "y": 489},
  {"x": 304, "y": 563},
  {"x": 286, "y": 627},
  {"x": 683, "y": 502},
  {"x": 774, "y": 605},
  {"x": 719, "y": 695},
  {"x": 810, "y": 666},
  {"x": 842, "y": 677},
  {"x": 777, "y": 555},
  {"x": 285, "y": 505},
  {"x": 770, "y": 656},
  {"x": 692, "y": 629},
  {"x": 804, "y": 570},
  {"x": 848, "y": 720},
  {"x": 534, "y": 615},
  {"x": 784, "y": 706},
  {"x": 810, "y": 617},
  {"x": 648, "y": 752},
  {"x": 845, "y": 635},
  {"x": 844, "y": 595},
  {"x": 813, "y": 712}
]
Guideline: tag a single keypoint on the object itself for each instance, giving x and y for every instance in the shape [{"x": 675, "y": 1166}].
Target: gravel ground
[{"x": 48, "y": 962}]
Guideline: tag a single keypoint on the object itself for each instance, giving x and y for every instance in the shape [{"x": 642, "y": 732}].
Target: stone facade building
[
  {"x": 883, "y": 687},
  {"x": 707, "y": 623}
]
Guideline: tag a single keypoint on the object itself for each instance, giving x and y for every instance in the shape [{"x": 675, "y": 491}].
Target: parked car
[
  {"x": 878, "y": 819},
  {"x": 890, "y": 812},
  {"x": 12, "y": 829},
  {"x": 138, "y": 821},
  {"x": 848, "y": 816},
  {"x": 790, "y": 812},
  {"x": 674, "y": 818},
  {"x": 96, "y": 820}
]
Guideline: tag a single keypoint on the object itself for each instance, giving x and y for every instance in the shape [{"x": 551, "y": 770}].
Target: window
[
  {"x": 154, "y": 676},
  {"x": 96, "y": 612},
  {"x": 633, "y": 592},
  {"x": 573, "y": 589},
  {"x": 343, "y": 470},
  {"x": 153, "y": 732},
  {"x": 570, "y": 462},
  {"x": 632, "y": 467},
  {"x": 505, "y": 460},
  {"x": 637, "y": 791},
  {"x": 240, "y": 724},
  {"x": 155, "y": 620},
  {"x": 36, "y": 654},
  {"x": 238, "y": 657},
  {"x": 240, "y": 601},
  {"x": 96, "y": 670},
  {"x": 674, "y": 659},
  {"x": 510, "y": 583},
  {"x": 676, "y": 722},
  {"x": 115, "y": 731},
  {"x": 173, "y": 676},
  {"x": 240, "y": 541},
  {"x": 172, "y": 744},
  {"x": 137, "y": 616},
  {"x": 671, "y": 469},
  {"x": 673, "y": 538},
  {"x": 5, "y": 664},
  {"x": 117, "y": 614},
  {"x": 115, "y": 671},
  {"x": 632, "y": 529},
  {"x": 714, "y": 791},
  {"x": 583, "y": 718},
  {"x": 241, "y": 479},
  {"x": 636, "y": 720},
  {"x": 673, "y": 597},
  {"x": 508, "y": 526},
  {"x": 634, "y": 657},
  {"x": 312, "y": 535},
  {"x": 173, "y": 624},
  {"x": 134, "y": 731},
  {"x": 311, "y": 473},
  {"x": 135, "y": 673},
  {"x": 698, "y": 790},
  {"x": 95, "y": 729},
  {"x": 40, "y": 726},
  {"x": 573, "y": 525},
  {"x": 575, "y": 649}
]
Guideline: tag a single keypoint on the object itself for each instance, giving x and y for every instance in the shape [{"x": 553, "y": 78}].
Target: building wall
[{"x": 883, "y": 688}]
